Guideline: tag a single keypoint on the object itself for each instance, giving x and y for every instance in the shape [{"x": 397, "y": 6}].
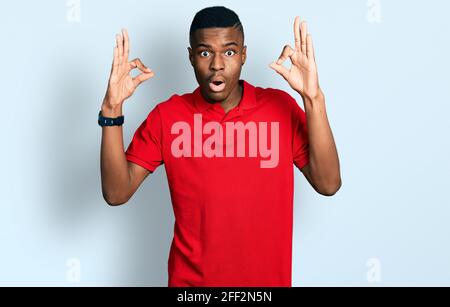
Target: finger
[
  {"x": 138, "y": 63},
  {"x": 286, "y": 53},
  {"x": 283, "y": 71},
  {"x": 297, "y": 33},
  {"x": 126, "y": 45},
  {"x": 115, "y": 59},
  {"x": 309, "y": 47},
  {"x": 303, "y": 32},
  {"x": 142, "y": 77},
  {"x": 119, "y": 40}
]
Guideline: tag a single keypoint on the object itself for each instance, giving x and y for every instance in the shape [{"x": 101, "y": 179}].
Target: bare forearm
[
  {"x": 323, "y": 156},
  {"x": 116, "y": 175},
  {"x": 114, "y": 166}
]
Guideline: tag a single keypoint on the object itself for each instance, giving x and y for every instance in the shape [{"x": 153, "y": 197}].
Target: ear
[
  {"x": 191, "y": 56},
  {"x": 244, "y": 54}
]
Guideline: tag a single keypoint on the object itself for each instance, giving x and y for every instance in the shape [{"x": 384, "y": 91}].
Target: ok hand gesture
[
  {"x": 302, "y": 76},
  {"x": 121, "y": 85}
]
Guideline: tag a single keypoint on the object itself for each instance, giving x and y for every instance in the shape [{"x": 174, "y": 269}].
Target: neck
[{"x": 234, "y": 99}]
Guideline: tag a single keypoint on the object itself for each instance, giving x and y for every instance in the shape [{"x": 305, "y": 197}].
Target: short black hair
[{"x": 215, "y": 17}]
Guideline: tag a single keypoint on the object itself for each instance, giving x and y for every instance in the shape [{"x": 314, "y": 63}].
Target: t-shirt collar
[{"x": 248, "y": 100}]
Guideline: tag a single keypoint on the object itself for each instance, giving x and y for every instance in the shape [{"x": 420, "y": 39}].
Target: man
[{"x": 228, "y": 150}]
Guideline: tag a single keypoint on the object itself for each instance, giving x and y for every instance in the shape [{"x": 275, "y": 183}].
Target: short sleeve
[
  {"x": 145, "y": 149},
  {"x": 300, "y": 142}
]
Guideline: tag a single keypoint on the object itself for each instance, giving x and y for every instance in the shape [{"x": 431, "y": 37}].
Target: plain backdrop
[{"x": 383, "y": 66}]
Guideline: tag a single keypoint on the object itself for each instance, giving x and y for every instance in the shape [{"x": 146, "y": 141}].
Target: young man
[{"x": 228, "y": 149}]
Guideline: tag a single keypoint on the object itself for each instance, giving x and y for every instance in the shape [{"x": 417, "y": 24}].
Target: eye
[
  {"x": 203, "y": 52},
  {"x": 230, "y": 51}
]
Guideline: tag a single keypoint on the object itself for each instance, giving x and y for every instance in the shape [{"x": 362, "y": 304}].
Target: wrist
[
  {"x": 319, "y": 98},
  {"x": 110, "y": 110}
]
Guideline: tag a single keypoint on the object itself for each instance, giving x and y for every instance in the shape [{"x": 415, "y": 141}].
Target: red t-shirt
[{"x": 231, "y": 182}]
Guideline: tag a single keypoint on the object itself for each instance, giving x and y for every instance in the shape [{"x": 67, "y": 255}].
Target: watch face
[{"x": 106, "y": 121}]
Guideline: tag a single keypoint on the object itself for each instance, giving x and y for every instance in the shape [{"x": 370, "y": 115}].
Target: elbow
[
  {"x": 115, "y": 204},
  {"x": 330, "y": 188},
  {"x": 113, "y": 201}
]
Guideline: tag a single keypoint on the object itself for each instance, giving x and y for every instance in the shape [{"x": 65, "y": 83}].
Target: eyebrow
[{"x": 224, "y": 45}]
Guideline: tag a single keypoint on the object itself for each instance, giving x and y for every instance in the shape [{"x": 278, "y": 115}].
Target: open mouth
[{"x": 217, "y": 86}]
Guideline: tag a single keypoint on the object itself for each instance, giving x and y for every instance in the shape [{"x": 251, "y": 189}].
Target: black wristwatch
[{"x": 110, "y": 121}]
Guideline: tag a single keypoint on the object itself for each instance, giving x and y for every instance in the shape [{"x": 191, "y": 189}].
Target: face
[{"x": 218, "y": 54}]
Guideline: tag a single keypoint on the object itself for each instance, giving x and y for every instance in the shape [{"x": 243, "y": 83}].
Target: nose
[{"x": 217, "y": 62}]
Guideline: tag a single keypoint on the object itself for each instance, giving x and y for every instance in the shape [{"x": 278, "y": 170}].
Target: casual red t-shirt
[{"x": 232, "y": 196}]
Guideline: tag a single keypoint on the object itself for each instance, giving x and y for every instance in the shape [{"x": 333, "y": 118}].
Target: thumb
[
  {"x": 280, "y": 69},
  {"x": 142, "y": 77}
]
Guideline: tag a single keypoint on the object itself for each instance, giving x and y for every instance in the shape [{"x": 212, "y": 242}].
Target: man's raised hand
[
  {"x": 302, "y": 76},
  {"x": 121, "y": 84}
]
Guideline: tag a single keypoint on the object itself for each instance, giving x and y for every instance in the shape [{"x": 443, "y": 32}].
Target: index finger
[
  {"x": 126, "y": 45},
  {"x": 297, "y": 33}
]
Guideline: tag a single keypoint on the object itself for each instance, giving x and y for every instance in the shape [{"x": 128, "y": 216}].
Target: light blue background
[{"x": 386, "y": 87}]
